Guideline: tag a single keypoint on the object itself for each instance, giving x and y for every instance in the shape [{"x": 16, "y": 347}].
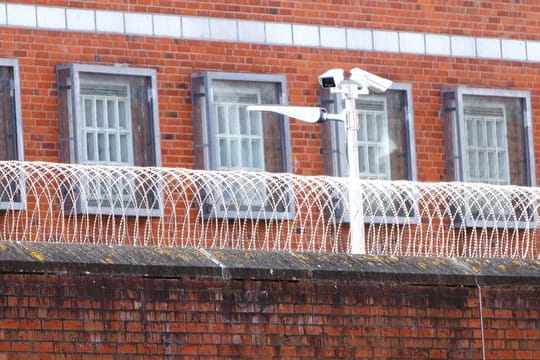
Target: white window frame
[
  {"x": 366, "y": 143},
  {"x": 77, "y": 140},
  {"x": 84, "y": 129},
  {"x": 457, "y": 151},
  {"x": 239, "y": 137},
  {"x": 479, "y": 148},
  {"x": 209, "y": 143},
  {"x": 338, "y": 164},
  {"x": 15, "y": 93}
]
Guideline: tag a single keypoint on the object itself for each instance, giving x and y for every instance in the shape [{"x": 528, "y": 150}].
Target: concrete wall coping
[{"x": 162, "y": 262}]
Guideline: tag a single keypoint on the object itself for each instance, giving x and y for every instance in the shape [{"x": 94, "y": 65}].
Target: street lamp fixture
[{"x": 360, "y": 82}]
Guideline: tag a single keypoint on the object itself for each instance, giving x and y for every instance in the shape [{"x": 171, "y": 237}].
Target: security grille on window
[
  {"x": 385, "y": 149},
  {"x": 106, "y": 130},
  {"x": 108, "y": 116},
  {"x": 488, "y": 139},
  {"x": 373, "y": 140},
  {"x": 239, "y": 133},
  {"x": 486, "y": 144},
  {"x": 12, "y": 193},
  {"x": 240, "y": 139},
  {"x": 228, "y": 137}
]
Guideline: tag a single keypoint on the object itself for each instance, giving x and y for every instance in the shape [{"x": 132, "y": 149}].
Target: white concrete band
[{"x": 270, "y": 33}]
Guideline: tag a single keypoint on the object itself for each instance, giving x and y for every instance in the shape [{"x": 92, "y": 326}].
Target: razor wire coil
[{"x": 176, "y": 207}]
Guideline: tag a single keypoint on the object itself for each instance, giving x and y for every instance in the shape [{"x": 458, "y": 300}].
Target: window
[
  {"x": 486, "y": 144},
  {"x": 106, "y": 129},
  {"x": 108, "y": 116},
  {"x": 12, "y": 195},
  {"x": 239, "y": 134},
  {"x": 488, "y": 139},
  {"x": 386, "y": 148},
  {"x": 228, "y": 137}
]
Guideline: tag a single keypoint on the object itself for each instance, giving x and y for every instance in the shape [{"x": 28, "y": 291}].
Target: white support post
[
  {"x": 359, "y": 83},
  {"x": 356, "y": 207}
]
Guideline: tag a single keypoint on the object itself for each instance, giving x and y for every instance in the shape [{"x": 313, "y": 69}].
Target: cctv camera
[
  {"x": 331, "y": 78},
  {"x": 370, "y": 81}
]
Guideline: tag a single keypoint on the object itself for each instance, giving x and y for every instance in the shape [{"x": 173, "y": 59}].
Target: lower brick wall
[{"x": 115, "y": 315}]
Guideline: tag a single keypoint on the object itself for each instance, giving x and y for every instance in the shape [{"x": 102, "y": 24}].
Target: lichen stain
[
  {"x": 302, "y": 257},
  {"x": 163, "y": 251},
  {"x": 37, "y": 255},
  {"x": 183, "y": 256}
]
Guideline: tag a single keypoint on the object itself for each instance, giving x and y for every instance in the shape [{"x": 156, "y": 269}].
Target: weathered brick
[{"x": 341, "y": 336}]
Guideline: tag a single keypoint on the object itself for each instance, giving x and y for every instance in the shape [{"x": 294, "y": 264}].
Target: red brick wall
[
  {"x": 40, "y": 52},
  {"x": 42, "y": 316}
]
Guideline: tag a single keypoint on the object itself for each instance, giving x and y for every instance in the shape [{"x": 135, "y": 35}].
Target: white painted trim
[
  {"x": 51, "y": 18},
  {"x": 81, "y": 20},
  {"x": 266, "y": 33},
  {"x": 21, "y": 15},
  {"x": 3, "y": 14}
]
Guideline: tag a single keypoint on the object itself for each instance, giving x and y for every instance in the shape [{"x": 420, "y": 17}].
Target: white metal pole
[{"x": 356, "y": 206}]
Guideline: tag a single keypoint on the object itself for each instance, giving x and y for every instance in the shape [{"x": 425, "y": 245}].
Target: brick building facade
[
  {"x": 165, "y": 83},
  {"x": 429, "y": 46}
]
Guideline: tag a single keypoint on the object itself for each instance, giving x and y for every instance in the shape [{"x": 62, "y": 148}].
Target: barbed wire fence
[{"x": 177, "y": 207}]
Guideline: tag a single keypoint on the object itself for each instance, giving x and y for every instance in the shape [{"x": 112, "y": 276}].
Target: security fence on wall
[{"x": 177, "y": 207}]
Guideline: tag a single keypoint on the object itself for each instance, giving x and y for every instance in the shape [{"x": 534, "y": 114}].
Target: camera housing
[
  {"x": 331, "y": 78},
  {"x": 370, "y": 82}
]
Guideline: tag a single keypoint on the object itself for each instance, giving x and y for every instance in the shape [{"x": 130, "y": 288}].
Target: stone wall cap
[{"x": 162, "y": 262}]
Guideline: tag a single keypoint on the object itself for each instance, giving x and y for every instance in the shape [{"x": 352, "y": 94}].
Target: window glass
[
  {"x": 228, "y": 137},
  {"x": 488, "y": 140},
  {"x": 8, "y": 132},
  {"x": 118, "y": 115},
  {"x": 104, "y": 128},
  {"x": 247, "y": 140},
  {"x": 487, "y": 137},
  {"x": 494, "y": 129},
  {"x": 11, "y": 191},
  {"x": 108, "y": 115},
  {"x": 114, "y": 123},
  {"x": 385, "y": 147}
]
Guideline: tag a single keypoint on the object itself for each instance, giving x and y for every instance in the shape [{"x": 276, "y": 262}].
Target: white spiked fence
[{"x": 244, "y": 210}]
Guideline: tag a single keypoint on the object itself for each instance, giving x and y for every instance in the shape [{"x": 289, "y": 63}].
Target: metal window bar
[
  {"x": 486, "y": 145},
  {"x": 106, "y": 140},
  {"x": 487, "y": 150},
  {"x": 373, "y": 140},
  {"x": 240, "y": 142}
]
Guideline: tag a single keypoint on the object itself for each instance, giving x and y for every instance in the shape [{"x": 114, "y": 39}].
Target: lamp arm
[{"x": 303, "y": 113}]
